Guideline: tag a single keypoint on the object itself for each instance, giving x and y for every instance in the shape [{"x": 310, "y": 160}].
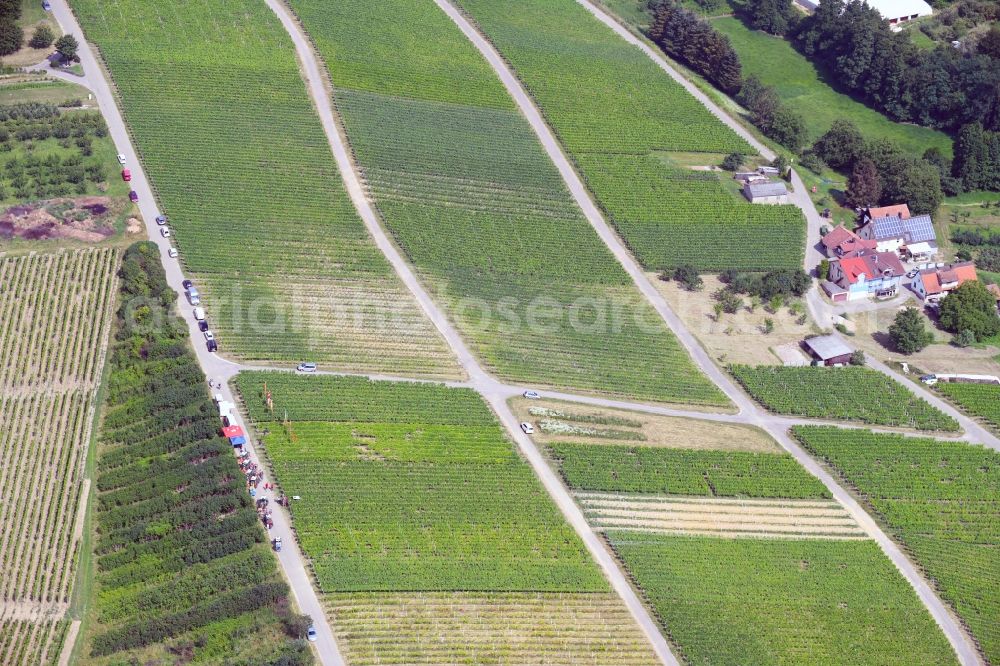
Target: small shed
[
  {"x": 766, "y": 193},
  {"x": 836, "y": 293},
  {"x": 828, "y": 349}
]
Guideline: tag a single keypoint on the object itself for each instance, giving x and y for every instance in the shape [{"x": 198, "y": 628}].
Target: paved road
[
  {"x": 214, "y": 366},
  {"x": 961, "y": 642}
]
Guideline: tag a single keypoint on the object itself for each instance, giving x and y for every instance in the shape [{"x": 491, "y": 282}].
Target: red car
[
  {"x": 126, "y": 175},
  {"x": 133, "y": 196}
]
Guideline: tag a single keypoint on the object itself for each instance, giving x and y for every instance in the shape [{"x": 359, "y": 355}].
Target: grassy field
[
  {"x": 412, "y": 494},
  {"x": 477, "y": 206},
  {"x": 181, "y": 564},
  {"x": 242, "y": 168},
  {"x": 55, "y": 316},
  {"x": 781, "y": 601},
  {"x": 848, "y": 394},
  {"x": 745, "y": 559},
  {"x": 800, "y": 86},
  {"x": 612, "y": 107},
  {"x": 645, "y": 469},
  {"x": 43, "y": 91},
  {"x": 938, "y": 499}
]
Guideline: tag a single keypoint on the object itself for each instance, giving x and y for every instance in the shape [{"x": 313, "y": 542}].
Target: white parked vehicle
[
  {"x": 528, "y": 428},
  {"x": 533, "y": 395},
  {"x": 311, "y": 634},
  {"x": 165, "y": 232},
  {"x": 172, "y": 253},
  {"x": 121, "y": 159},
  {"x": 306, "y": 367},
  {"x": 209, "y": 335},
  {"x": 199, "y": 314}
]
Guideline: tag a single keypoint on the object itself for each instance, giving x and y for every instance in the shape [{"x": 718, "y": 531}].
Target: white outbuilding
[{"x": 893, "y": 11}]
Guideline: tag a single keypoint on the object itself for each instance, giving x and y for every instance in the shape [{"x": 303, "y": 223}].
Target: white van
[{"x": 199, "y": 314}]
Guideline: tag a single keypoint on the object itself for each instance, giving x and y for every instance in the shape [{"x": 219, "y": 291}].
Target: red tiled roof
[
  {"x": 896, "y": 210},
  {"x": 837, "y": 236},
  {"x": 871, "y": 264},
  {"x": 960, "y": 273},
  {"x": 844, "y": 242}
]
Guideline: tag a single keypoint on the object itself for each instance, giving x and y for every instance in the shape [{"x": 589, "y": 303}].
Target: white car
[
  {"x": 209, "y": 336},
  {"x": 311, "y": 634},
  {"x": 528, "y": 428},
  {"x": 533, "y": 395},
  {"x": 121, "y": 159},
  {"x": 172, "y": 253},
  {"x": 306, "y": 367},
  {"x": 165, "y": 232}
]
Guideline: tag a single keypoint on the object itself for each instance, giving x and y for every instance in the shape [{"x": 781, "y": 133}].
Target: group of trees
[
  {"x": 683, "y": 35},
  {"x": 881, "y": 172},
  {"x": 943, "y": 88},
  {"x": 773, "y": 118},
  {"x": 970, "y": 312},
  {"x": 977, "y": 157},
  {"x": 11, "y": 35}
]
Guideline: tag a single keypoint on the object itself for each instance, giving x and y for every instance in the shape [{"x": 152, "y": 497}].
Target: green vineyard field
[
  {"x": 849, "y": 394},
  {"x": 239, "y": 161},
  {"x": 982, "y": 400},
  {"x": 613, "y": 109},
  {"x": 474, "y": 202},
  {"x": 940, "y": 501}
]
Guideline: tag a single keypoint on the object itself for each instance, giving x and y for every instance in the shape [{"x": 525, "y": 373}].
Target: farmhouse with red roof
[
  {"x": 934, "y": 284},
  {"x": 868, "y": 273}
]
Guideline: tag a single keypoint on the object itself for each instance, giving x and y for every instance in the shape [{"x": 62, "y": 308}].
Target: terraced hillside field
[
  {"x": 182, "y": 573},
  {"x": 745, "y": 559},
  {"x": 477, "y": 206},
  {"x": 619, "y": 116},
  {"x": 940, "y": 501},
  {"x": 240, "y": 163},
  {"x": 431, "y": 540},
  {"x": 849, "y": 394},
  {"x": 55, "y": 314}
]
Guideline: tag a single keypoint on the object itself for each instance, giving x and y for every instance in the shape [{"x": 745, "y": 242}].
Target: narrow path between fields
[
  {"x": 960, "y": 640},
  {"x": 214, "y": 366},
  {"x": 495, "y": 393}
]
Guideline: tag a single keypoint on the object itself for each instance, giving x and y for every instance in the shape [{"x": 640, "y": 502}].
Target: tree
[
  {"x": 688, "y": 276},
  {"x": 972, "y": 157},
  {"x": 971, "y": 307},
  {"x": 733, "y": 161},
  {"x": 43, "y": 37},
  {"x": 912, "y": 180},
  {"x": 864, "y": 187},
  {"x": 67, "y": 47},
  {"x": 773, "y": 16},
  {"x": 787, "y": 128},
  {"x": 684, "y": 35},
  {"x": 989, "y": 43},
  {"x": 823, "y": 270},
  {"x": 781, "y": 164},
  {"x": 760, "y": 100},
  {"x": 841, "y": 145},
  {"x": 857, "y": 357},
  {"x": 989, "y": 259},
  {"x": 964, "y": 338},
  {"x": 11, "y": 36},
  {"x": 908, "y": 333}
]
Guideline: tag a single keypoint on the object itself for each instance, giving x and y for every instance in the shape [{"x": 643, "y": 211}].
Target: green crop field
[
  {"x": 849, "y": 394},
  {"x": 645, "y": 469},
  {"x": 801, "y": 86},
  {"x": 415, "y": 499},
  {"x": 612, "y": 107},
  {"x": 940, "y": 500},
  {"x": 982, "y": 400},
  {"x": 476, "y": 205},
  {"x": 239, "y": 161},
  {"x": 781, "y": 601},
  {"x": 431, "y": 539},
  {"x": 180, "y": 561}
]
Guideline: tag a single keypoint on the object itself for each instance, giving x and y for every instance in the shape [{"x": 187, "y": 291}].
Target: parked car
[
  {"x": 203, "y": 325},
  {"x": 187, "y": 284},
  {"x": 528, "y": 428},
  {"x": 306, "y": 367},
  {"x": 172, "y": 253},
  {"x": 121, "y": 159},
  {"x": 213, "y": 346},
  {"x": 126, "y": 175},
  {"x": 133, "y": 196},
  {"x": 209, "y": 335},
  {"x": 161, "y": 219},
  {"x": 533, "y": 395},
  {"x": 199, "y": 314},
  {"x": 311, "y": 634},
  {"x": 912, "y": 274},
  {"x": 165, "y": 232},
  {"x": 930, "y": 380},
  {"x": 194, "y": 298},
  {"x": 46, "y": 5},
  {"x": 276, "y": 544}
]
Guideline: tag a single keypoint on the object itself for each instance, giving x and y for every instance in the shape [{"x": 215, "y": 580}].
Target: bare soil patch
[{"x": 87, "y": 219}]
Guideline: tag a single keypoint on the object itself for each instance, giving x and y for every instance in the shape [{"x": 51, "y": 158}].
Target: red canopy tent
[{"x": 232, "y": 431}]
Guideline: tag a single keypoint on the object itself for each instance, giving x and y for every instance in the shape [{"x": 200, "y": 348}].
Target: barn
[{"x": 893, "y": 11}]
